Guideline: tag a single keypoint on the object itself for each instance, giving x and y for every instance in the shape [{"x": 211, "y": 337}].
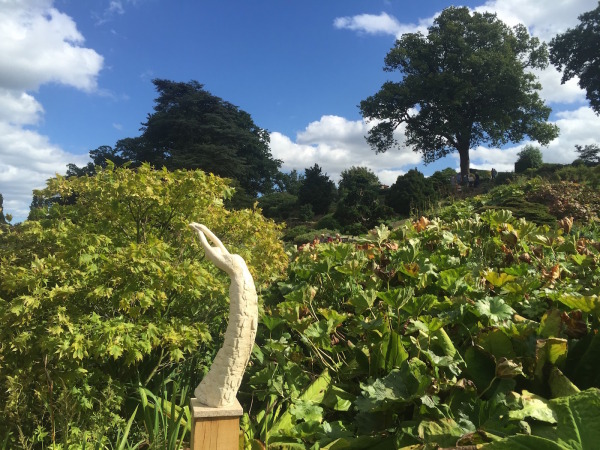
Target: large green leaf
[
  {"x": 399, "y": 386},
  {"x": 578, "y": 418},
  {"x": 313, "y": 394},
  {"x": 494, "y": 308},
  {"x": 524, "y": 442}
]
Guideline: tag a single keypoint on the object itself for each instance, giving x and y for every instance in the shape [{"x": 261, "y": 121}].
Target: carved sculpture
[{"x": 220, "y": 385}]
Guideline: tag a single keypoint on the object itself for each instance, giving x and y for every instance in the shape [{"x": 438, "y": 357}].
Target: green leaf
[
  {"x": 497, "y": 343},
  {"x": 396, "y": 298},
  {"x": 338, "y": 399},
  {"x": 524, "y": 442},
  {"x": 586, "y": 303},
  {"x": 494, "y": 308},
  {"x": 550, "y": 324},
  {"x": 306, "y": 410},
  {"x": 578, "y": 421},
  {"x": 560, "y": 385},
  {"x": 533, "y": 407},
  {"x": 399, "y": 386},
  {"x": 393, "y": 351},
  {"x": 314, "y": 394}
]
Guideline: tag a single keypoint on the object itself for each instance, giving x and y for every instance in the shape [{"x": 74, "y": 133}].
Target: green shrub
[
  {"x": 329, "y": 222},
  {"x": 111, "y": 290}
]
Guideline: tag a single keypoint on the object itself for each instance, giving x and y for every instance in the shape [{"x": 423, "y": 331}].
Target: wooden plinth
[{"x": 215, "y": 428}]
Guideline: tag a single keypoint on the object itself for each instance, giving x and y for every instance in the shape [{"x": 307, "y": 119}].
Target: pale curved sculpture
[{"x": 220, "y": 385}]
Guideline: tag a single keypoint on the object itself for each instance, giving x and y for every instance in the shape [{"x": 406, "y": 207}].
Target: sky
[{"x": 76, "y": 75}]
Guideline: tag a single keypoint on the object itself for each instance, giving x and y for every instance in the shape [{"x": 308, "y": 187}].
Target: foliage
[
  {"x": 589, "y": 154},
  {"x": 328, "y": 221},
  {"x": 360, "y": 198},
  {"x": 467, "y": 82},
  {"x": 192, "y": 129},
  {"x": 575, "y": 53},
  {"x": 313, "y": 236},
  {"x": 465, "y": 332},
  {"x": 317, "y": 190},
  {"x": 110, "y": 290},
  {"x": 411, "y": 192},
  {"x": 528, "y": 158},
  {"x": 278, "y": 205},
  {"x": 2, "y": 218},
  {"x": 167, "y": 419},
  {"x": 289, "y": 182}
]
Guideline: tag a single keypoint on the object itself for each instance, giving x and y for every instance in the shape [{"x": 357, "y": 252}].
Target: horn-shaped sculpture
[{"x": 220, "y": 385}]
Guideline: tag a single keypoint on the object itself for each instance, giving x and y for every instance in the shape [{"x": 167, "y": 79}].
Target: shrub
[
  {"x": 328, "y": 221},
  {"x": 112, "y": 290}
]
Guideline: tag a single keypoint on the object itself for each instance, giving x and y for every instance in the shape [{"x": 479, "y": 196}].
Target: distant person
[
  {"x": 494, "y": 173},
  {"x": 476, "y": 179}
]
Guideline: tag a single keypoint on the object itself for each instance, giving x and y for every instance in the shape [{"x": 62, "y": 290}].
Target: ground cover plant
[
  {"x": 470, "y": 330},
  {"x": 477, "y": 326}
]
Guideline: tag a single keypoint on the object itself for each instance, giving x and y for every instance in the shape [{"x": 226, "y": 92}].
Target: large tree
[
  {"x": 466, "y": 83},
  {"x": 575, "y": 53},
  {"x": 317, "y": 190},
  {"x": 192, "y": 129},
  {"x": 360, "y": 198}
]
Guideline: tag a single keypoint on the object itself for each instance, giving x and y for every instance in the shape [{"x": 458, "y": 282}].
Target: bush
[
  {"x": 112, "y": 290},
  {"x": 312, "y": 235},
  {"x": 329, "y": 222}
]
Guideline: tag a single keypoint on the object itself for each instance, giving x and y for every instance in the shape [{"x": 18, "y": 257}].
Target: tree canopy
[
  {"x": 589, "y": 154},
  {"x": 360, "y": 198},
  {"x": 192, "y": 129},
  {"x": 529, "y": 158},
  {"x": 575, "y": 53},
  {"x": 466, "y": 83},
  {"x": 317, "y": 190}
]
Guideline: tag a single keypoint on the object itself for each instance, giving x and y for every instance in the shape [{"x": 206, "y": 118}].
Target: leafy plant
[{"x": 109, "y": 289}]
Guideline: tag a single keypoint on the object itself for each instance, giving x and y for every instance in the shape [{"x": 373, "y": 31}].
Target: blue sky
[{"x": 75, "y": 75}]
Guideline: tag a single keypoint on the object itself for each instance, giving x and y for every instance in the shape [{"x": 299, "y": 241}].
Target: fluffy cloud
[
  {"x": 542, "y": 21},
  {"x": 577, "y": 127},
  {"x": 38, "y": 45},
  {"x": 336, "y": 143},
  {"x": 380, "y": 24},
  {"x": 28, "y": 159}
]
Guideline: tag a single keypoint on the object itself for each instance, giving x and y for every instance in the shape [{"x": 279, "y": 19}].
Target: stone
[{"x": 218, "y": 389}]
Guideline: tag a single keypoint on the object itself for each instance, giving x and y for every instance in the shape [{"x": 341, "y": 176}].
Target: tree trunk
[{"x": 464, "y": 160}]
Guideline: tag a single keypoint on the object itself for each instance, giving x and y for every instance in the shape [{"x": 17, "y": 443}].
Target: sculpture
[{"x": 220, "y": 385}]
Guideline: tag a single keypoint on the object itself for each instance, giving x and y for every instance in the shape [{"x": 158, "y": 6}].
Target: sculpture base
[{"x": 215, "y": 428}]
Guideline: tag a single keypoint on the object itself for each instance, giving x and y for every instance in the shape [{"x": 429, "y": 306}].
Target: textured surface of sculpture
[{"x": 220, "y": 385}]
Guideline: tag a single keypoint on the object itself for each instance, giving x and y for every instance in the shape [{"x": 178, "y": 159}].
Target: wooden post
[{"x": 215, "y": 428}]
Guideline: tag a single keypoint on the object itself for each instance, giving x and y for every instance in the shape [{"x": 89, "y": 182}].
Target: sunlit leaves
[{"x": 109, "y": 287}]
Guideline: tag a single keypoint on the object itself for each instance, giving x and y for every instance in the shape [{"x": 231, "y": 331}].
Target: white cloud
[
  {"x": 336, "y": 143},
  {"x": 19, "y": 108},
  {"x": 38, "y": 45},
  {"x": 543, "y": 19},
  {"x": 577, "y": 127},
  {"x": 27, "y": 160},
  {"x": 380, "y": 24}
]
